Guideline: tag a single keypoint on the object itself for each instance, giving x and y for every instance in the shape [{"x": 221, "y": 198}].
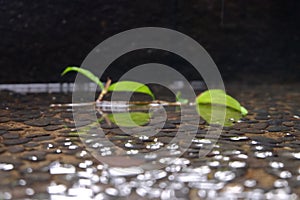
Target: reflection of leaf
[
  {"x": 205, "y": 111},
  {"x": 130, "y": 86},
  {"x": 219, "y": 97},
  {"x": 129, "y": 119},
  {"x": 86, "y": 73}
]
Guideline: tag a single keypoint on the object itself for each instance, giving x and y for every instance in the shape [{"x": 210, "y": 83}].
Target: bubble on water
[
  {"x": 22, "y": 182},
  {"x": 129, "y": 171},
  {"x": 224, "y": 175},
  {"x": 173, "y": 146},
  {"x": 142, "y": 191},
  {"x": 280, "y": 183},
  {"x": 175, "y": 161},
  {"x": 173, "y": 168},
  {"x": 153, "y": 174},
  {"x": 58, "y": 168},
  {"x": 276, "y": 165},
  {"x": 79, "y": 191},
  {"x": 155, "y": 145},
  {"x": 241, "y": 156},
  {"x": 6, "y": 166},
  {"x": 259, "y": 147},
  {"x": 150, "y": 156},
  {"x": 296, "y": 155},
  {"x": 214, "y": 163},
  {"x": 285, "y": 174},
  {"x": 53, "y": 188},
  {"x": 132, "y": 152},
  {"x": 111, "y": 191},
  {"x": 5, "y": 195},
  {"x": 167, "y": 194},
  {"x": 29, "y": 191},
  {"x": 144, "y": 137},
  {"x": 124, "y": 189},
  {"x": 237, "y": 164},
  {"x": 190, "y": 177},
  {"x": 263, "y": 154},
  {"x": 234, "y": 189},
  {"x": 85, "y": 164},
  {"x": 250, "y": 183}
]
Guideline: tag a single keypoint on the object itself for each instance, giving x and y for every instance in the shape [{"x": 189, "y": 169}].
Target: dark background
[{"x": 256, "y": 42}]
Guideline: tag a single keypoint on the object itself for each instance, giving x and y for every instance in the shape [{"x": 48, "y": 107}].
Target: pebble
[
  {"x": 278, "y": 128},
  {"x": 16, "y": 141},
  {"x": 37, "y": 122},
  {"x": 11, "y": 135}
]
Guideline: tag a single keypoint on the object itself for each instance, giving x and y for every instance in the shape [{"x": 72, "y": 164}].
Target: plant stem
[{"x": 105, "y": 90}]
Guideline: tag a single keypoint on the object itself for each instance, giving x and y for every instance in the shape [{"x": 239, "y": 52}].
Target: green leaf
[
  {"x": 130, "y": 86},
  {"x": 219, "y": 97},
  {"x": 180, "y": 99},
  {"x": 129, "y": 119},
  {"x": 86, "y": 73},
  {"x": 231, "y": 115}
]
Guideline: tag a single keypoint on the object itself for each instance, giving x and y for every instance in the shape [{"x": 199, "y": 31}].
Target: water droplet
[
  {"x": 6, "y": 166},
  {"x": 296, "y": 155},
  {"x": 250, "y": 183},
  {"x": 22, "y": 182},
  {"x": 285, "y": 174},
  {"x": 79, "y": 191},
  {"x": 58, "y": 168},
  {"x": 280, "y": 183},
  {"x": 56, "y": 189},
  {"x": 239, "y": 138},
  {"x": 276, "y": 165},
  {"x": 29, "y": 191},
  {"x": 224, "y": 175},
  {"x": 214, "y": 163},
  {"x": 237, "y": 164},
  {"x": 132, "y": 152},
  {"x": 263, "y": 154},
  {"x": 155, "y": 146},
  {"x": 111, "y": 191}
]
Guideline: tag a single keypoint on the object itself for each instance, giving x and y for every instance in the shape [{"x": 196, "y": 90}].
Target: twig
[{"x": 105, "y": 90}]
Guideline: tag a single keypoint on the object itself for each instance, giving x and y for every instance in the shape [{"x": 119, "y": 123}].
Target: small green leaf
[
  {"x": 180, "y": 99},
  {"x": 231, "y": 115},
  {"x": 131, "y": 119},
  {"x": 219, "y": 97},
  {"x": 130, "y": 86},
  {"x": 86, "y": 73}
]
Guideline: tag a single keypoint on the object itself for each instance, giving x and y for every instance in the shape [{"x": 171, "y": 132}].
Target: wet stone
[
  {"x": 259, "y": 125},
  {"x": 16, "y": 141},
  {"x": 288, "y": 123},
  {"x": 52, "y": 127},
  {"x": 15, "y": 129},
  {"x": 251, "y": 130},
  {"x": 33, "y": 135},
  {"x": 31, "y": 144},
  {"x": 15, "y": 149},
  {"x": 11, "y": 136},
  {"x": 37, "y": 122},
  {"x": 4, "y": 119},
  {"x": 3, "y": 132},
  {"x": 42, "y": 138},
  {"x": 278, "y": 129}
]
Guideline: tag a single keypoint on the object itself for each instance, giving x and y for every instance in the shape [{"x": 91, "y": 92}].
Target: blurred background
[{"x": 251, "y": 41}]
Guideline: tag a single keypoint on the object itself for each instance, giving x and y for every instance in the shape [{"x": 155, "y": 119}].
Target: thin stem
[{"x": 105, "y": 90}]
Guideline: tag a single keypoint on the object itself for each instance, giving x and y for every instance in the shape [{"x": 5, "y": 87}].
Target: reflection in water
[{"x": 231, "y": 116}]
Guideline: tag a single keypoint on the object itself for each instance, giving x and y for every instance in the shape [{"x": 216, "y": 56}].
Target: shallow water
[{"x": 42, "y": 156}]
